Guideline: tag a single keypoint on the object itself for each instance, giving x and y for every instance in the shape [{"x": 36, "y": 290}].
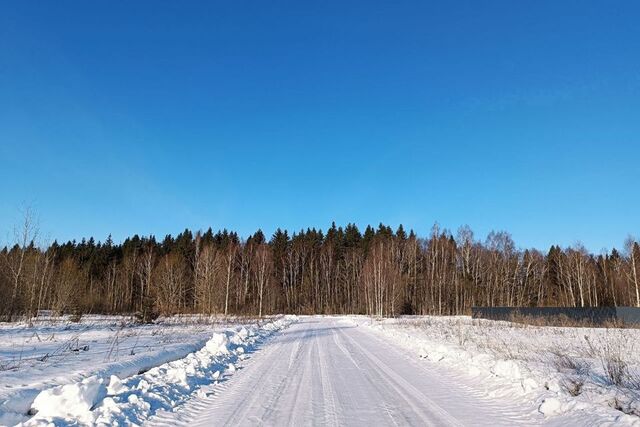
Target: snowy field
[
  {"x": 56, "y": 369},
  {"x": 329, "y": 370},
  {"x": 578, "y": 376}
]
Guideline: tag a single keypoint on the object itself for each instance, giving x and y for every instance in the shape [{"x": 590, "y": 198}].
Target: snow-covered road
[{"x": 325, "y": 371}]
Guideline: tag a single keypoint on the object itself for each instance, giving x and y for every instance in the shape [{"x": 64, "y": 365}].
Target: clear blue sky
[{"x": 149, "y": 117}]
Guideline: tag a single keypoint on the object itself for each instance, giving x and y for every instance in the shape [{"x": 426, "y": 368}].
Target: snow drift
[{"x": 101, "y": 400}]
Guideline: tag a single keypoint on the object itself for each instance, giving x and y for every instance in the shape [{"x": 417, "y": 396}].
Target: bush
[
  {"x": 76, "y": 317},
  {"x": 611, "y": 357},
  {"x": 148, "y": 313}
]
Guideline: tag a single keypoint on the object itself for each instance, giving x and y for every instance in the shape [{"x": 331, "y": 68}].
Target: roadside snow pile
[
  {"x": 563, "y": 370},
  {"x": 107, "y": 399},
  {"x": 71, "y": 400},
  {"x": 53, "y": 351}
]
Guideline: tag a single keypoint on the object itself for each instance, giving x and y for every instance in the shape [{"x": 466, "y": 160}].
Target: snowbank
[
  {"x": 55, "y": 351},
  {"x": 108, "y": 399},
  {"x": 71, "y": 401},
  {"x": 558, "y": 370}
]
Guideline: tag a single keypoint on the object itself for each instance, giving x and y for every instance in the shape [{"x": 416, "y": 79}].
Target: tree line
[{"x": 341, "y": 270}]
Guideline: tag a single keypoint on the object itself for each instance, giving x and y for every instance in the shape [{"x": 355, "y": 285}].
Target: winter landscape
[
  {"x": 335, "y": 213},
  {"x": 329, "y": 370}
]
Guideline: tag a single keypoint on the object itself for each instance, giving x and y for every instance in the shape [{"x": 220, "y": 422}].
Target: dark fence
[{"x": 589, "y": 315}]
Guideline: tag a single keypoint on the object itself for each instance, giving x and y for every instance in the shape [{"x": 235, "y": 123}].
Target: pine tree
[{"x": 400, "y": 233}]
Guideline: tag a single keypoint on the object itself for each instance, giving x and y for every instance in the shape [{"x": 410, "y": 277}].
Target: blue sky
[{"x": 149, "y": 117}]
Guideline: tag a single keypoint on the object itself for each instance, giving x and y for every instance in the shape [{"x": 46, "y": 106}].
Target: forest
[{"x": 378, "y": 272}]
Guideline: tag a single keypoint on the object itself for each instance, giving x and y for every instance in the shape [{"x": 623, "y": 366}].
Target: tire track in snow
[
  {"x": 211, "y": 404},
  {"x": 371, "y": 383},
  {"x": 274, "y": 391},
  {"x": 305, "y": 366},
  {"x": 382, "y": 377},
  {"x": 327, "y": 387},
  {"x": 514, "y": 414},
  {"x": 321, "y": 372},
  {"x": 338, "y": 342},
  {"x": 406, "y": 390},
  {"x": 289, "y": 375}
]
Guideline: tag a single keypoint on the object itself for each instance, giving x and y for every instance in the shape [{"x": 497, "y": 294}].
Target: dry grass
[
  {"x": 614, "y": 348},
  {"x": 633, "y": 382},
  {"x": 574, "y": 369},
  {"x": 572, "y": 385},
  {"x": 564, "y": 362},
  {"x": 563, "y": 321},
  {"x": 606, "y": 353},
  {"x": 462, "y": 331}
]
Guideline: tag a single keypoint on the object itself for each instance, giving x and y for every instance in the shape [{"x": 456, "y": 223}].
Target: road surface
[{"x": 326, "y": 372}]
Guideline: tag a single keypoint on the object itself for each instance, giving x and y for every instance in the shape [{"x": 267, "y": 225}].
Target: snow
[
  {"x": 56, "y": 368},
  {"x": 325, "y": 371},
  {"x": 550, "y": 406},
  {"x": 558, "y": 370},
  {"x": 330, "y": 370},
  {"x": 218, "y": 344},
  {"x": 71, "y": 401}
]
